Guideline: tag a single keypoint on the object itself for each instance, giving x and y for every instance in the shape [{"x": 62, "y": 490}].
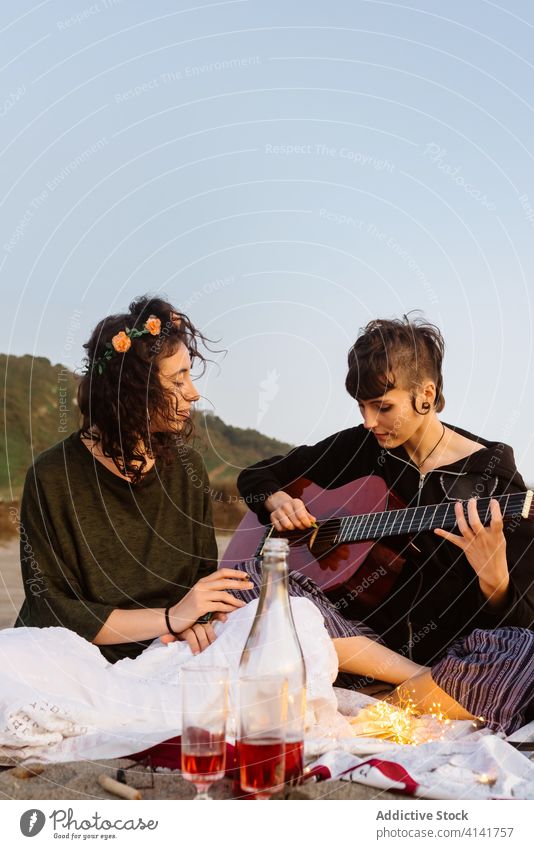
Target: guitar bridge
[{"x": 313, "y": 537}]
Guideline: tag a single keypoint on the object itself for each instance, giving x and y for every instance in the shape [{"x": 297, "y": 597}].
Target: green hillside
[
  {"x": 32, "y": 391},
  {"x": 38, "y": 409},
  {"x": 227, "y": 449}
]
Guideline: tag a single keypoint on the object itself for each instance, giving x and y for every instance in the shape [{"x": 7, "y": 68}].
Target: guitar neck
[{"x": 412, "y": 520}]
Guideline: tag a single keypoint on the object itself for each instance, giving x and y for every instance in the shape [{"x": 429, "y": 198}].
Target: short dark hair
[
  {"x": 117, "y": 400},
  {"x": 396, "y": 353}
]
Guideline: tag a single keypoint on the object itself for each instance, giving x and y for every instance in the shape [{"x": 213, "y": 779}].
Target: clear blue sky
[{"x": 284, "y": 172}]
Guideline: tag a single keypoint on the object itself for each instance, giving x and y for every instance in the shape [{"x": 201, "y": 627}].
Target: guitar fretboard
[{"x": 413, "y": 520}]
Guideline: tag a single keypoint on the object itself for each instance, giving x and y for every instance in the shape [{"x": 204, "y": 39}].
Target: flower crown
[{"x": 122, "y": 342}]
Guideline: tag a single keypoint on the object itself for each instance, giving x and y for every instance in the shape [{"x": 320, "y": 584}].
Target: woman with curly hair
[{"x": 119, "y": 543}]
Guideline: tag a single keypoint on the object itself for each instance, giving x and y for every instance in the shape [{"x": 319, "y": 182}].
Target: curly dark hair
[
  {"x": 121, "y": 401},
  {"x": 396, "y": 353}
]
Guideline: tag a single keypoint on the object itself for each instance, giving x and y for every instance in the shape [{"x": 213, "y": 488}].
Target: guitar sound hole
[
  {"x": 327, "y": 538},
  {"x": 294, "y": 538}
]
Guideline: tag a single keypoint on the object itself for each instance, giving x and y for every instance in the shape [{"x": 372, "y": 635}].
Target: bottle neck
[{"x": 274, "y": 588}]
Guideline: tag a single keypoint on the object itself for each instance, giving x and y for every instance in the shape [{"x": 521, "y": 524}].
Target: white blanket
[{"x": 60, "y": 700}]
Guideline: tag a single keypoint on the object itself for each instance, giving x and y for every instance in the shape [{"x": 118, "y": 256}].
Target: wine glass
[
  {"x": 204, "y": 714},
  {"x": 261, "y": 742}
]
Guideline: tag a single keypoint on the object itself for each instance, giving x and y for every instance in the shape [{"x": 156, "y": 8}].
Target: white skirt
[{"x": 61, "y": 700}]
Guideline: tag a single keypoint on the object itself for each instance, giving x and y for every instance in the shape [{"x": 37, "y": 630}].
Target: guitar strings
[
  {"x": 354, "y": 528},
  {"x": 369, "y": 526},
  {"x": 333, "y": 530},
  {"x": 401, "y": 520}
]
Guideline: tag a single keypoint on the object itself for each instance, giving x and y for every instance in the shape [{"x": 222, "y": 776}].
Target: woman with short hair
[{"x": 462, "y": 606}]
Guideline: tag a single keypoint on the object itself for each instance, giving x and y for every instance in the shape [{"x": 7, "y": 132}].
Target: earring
[{"x": 425, "y": 407}]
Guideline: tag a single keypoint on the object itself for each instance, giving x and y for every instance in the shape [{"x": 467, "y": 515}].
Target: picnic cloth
[
  {"x": 479, "y": 766},
  {"x": 60, "y": 700}
]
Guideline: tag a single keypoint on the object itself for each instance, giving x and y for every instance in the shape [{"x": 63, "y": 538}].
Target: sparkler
[
  {"x": 487, "y": 778},
  {"x": 401, "y": 723}
]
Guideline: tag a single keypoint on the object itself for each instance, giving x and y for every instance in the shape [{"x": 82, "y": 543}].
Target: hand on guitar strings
[
  {"x": 287, "y": 513},
  {"x": 484, "y": 547}
]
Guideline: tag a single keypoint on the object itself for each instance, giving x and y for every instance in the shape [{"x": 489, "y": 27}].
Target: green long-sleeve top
[{"x": 91, "y": 541}]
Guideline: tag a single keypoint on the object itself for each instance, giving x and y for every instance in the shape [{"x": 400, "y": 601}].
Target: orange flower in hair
[
  {"x": 121, "y": 342},
  {"x": 153, "y": 325}
]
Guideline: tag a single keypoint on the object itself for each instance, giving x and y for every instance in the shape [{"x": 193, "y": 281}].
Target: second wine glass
[{"x": 261, "y": 743}]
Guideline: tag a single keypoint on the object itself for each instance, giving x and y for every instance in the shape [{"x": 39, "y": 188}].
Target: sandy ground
[
  {"x": 80, "y": 781},
  {"x": 11, "y": 591}
]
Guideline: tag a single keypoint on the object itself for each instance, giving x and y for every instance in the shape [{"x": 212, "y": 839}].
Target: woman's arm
[
  {"x": 128, "y": 626},
  {"x": 55, "y": 596},
  {"x": 209, "y": 595},
  {"x": 332, "y": 462}
]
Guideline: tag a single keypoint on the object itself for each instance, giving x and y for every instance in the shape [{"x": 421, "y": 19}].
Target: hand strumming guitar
[{"x": 287, "y": 513}]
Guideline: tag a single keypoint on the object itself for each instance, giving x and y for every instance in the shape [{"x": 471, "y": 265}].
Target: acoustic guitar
[{"x": 363, "y": 533}]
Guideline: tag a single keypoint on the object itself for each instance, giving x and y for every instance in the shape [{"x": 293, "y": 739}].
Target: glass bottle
[{"x": 273, "y": 649}]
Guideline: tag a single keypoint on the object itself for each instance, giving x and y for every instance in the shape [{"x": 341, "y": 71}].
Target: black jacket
[{"x": 436, "y": 598}]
